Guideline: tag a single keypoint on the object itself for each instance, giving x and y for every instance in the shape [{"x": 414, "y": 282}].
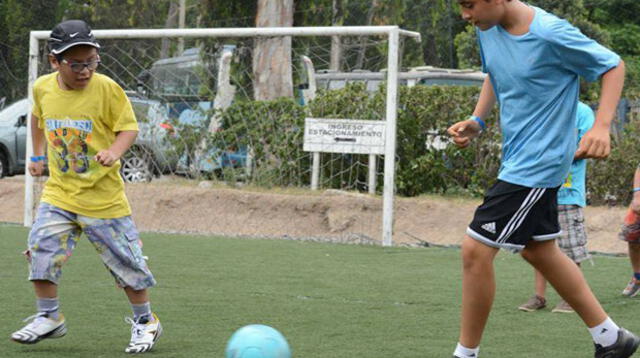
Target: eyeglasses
[{"x": 78, "y": 67}]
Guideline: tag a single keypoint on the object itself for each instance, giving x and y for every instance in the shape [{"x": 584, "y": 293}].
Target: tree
[
  {"x": 337, "y": 19},
  {"x": 171, "y": 21},
  {"x": 17, "y": 19},
  {"x": 272, "y": 74}
]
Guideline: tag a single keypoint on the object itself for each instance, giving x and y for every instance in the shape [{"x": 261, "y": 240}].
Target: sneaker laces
[
  {"x": 35, "y": 319},
  {"x": 137, "y": 330}
]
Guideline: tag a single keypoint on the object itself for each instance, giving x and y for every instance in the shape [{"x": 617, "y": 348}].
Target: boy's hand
[
  {"x": 106, "y": 157},
  {"x": 36, "y": 168},
  {"x": 596, "y": 143},
  {"x": 464, "y": 131}
]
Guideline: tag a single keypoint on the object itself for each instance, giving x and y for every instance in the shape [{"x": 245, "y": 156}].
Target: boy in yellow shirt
[{"x": 86, "y": 123}]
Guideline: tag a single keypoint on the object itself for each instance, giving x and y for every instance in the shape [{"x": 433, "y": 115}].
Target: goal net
[{"x": 222, "y": 128}]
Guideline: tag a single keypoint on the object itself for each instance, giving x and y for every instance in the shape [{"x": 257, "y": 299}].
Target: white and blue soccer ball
[{"x": 257, "y": 341}]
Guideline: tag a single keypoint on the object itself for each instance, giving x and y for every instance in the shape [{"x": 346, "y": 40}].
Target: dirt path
[{"x": 328, "y": 216}]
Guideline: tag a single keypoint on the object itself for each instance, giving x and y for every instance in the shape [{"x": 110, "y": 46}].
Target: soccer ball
[{"x": 257, "y": 341}]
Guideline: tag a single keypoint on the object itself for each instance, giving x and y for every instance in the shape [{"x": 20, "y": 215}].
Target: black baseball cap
[{"x": 71, "y": 33}]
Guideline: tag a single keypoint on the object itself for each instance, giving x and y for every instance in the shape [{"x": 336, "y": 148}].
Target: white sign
[{"x": 344, "y": 136}]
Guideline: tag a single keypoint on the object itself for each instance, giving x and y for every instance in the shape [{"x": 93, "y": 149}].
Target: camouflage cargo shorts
[{"x": 56, "y": 232}]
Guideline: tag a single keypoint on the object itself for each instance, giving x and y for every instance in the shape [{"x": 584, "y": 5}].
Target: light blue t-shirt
[
  {"x": 535, "y": 77},
  {"x": 573, "y": 191}
]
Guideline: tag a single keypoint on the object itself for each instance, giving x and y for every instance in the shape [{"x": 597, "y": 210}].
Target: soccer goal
[{"x": 223, "y": 115}]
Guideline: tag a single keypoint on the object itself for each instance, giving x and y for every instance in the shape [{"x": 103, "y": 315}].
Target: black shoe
[{"x": 625, "y": 346}]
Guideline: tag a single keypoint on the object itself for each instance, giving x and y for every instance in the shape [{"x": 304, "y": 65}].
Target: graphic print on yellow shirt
[
  {"x": 69, "y": 141},
  {"x": 78, "y": 124}
]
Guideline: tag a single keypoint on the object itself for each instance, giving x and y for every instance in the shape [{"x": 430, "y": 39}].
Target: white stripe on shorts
[{"x": 517, "y": 218}]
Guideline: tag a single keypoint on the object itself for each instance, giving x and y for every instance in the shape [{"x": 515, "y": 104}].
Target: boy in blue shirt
[
  {"x": 571, "y": 200},
  {"x": 534, "y": 62}
]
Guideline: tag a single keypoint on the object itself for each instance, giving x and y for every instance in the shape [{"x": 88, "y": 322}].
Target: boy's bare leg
[
  {"x": 540, "y": 284},
  {"x": 478, "y": 290},
  {"x": 634, "y": 256},
  {"x": 45, "y": 289},
  {"x": 566, "y": 277},
  {"x": 137, "y": 297}
]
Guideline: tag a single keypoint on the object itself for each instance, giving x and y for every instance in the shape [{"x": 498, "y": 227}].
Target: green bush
[
  {"x": 426, "y": 161},
  {"x": 273, "y": 131},
  {"x": 425, "y": 113},
  {"x": 612, "y": 179}
]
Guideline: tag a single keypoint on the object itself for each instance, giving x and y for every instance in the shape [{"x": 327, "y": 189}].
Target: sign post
[{"x": 344, "y": 136}]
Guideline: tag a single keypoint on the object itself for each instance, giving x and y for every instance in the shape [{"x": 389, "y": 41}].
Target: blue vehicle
[
  {"x": 176, "y": 83},
  {"x": 150, "y": 154}
]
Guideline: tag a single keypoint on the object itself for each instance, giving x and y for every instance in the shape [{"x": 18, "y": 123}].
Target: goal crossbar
[{"x": 245, "y": 32}]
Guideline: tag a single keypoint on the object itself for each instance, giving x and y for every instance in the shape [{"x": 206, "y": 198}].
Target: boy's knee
[
  {"x": 476, "y": 254},
  {"x": 528, "y": 255}
]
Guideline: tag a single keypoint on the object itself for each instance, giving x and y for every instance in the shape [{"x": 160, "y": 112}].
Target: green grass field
[{"x": 329, "y": 300}]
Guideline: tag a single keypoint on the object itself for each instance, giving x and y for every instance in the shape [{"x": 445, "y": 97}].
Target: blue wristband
[
  {"x": 480, "y": 122},
  {"x": 635, "y": 190},
  {"x": 39, "y": 158}
]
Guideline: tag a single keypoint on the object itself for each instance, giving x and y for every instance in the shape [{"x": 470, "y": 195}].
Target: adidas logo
[{"x": 490, "y": 227}]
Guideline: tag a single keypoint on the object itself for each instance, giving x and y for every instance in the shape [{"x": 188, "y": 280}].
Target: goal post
[{"x": 392, "y": 34}]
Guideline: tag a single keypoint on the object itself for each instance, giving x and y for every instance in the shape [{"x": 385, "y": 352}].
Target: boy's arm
[
  {"x": 635, "y": 203},
  {"x": 39, "y": 146},
  {"x": 596, "y": 142},
  {"x": 124, "y": 140},
  {"x": 487, "y": 99},
  {"x": 464, "y": 131}
]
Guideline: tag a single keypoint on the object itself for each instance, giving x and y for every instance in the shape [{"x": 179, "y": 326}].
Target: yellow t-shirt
[{"x": 78, "y": 124}]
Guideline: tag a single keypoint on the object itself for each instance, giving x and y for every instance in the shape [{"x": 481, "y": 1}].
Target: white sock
[
  {"x": 606, "y": 333},
  {"x": 464, "y": 352}
]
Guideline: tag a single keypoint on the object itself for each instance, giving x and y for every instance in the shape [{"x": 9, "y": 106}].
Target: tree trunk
[
  {"x": 172, "y": 19},
  {"x": 272, "y": 73},
  {"x": 336, "y": 46},
  {"x": 363, "y": 40}
]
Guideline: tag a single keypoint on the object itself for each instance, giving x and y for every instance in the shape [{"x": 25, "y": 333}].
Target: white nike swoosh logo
[{"x": 73, "y": 34}]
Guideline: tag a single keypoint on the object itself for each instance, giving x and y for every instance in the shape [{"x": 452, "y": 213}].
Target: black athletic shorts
[{"x": 511, "y": 215}]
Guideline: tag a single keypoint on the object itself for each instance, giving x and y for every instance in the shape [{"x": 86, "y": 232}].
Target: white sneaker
[
  {"x": 143, "y": 335},
  {"x": 41, "y": 327}
]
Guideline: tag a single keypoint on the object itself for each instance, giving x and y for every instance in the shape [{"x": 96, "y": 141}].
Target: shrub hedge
[{"x": 274, "y": 131}]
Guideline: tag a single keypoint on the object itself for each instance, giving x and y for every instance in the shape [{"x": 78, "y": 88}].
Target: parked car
[
  {"x": 177, "y": 82},
  {"x": 13, "y": 138},
  {"x": 154, "y": 153},
  {"x": 150, "y": 155}
]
